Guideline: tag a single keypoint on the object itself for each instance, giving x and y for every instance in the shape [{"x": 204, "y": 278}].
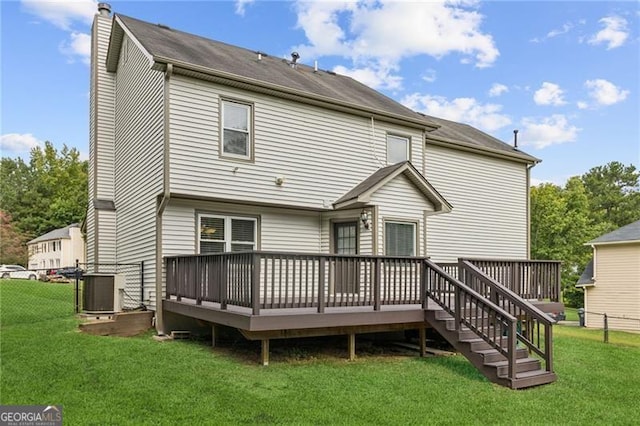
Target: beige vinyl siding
[
  {"x": 321, "y": 154},
  {"x": 138, "y": 155},
  {"x": 278, "y": 229},
  {"x": 106, "y": 237},
  {"x": 365, "y": 240},
  {"x": 104, "y": 101},
  {"x": 101, "y": 232},
  {"x": 400, "y": 201},
  {"x": 617, "y": 287},
  {"x": 489, "y": 198},
  {"x": 90, "y": 235}
]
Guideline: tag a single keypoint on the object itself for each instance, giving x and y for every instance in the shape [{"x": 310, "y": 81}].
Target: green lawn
[
  {"x": 108, "y": 380},
  {"x": 571, "y": 314}
]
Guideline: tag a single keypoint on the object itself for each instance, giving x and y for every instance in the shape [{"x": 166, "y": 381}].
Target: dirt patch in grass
[{"x": 318, "y": 349}]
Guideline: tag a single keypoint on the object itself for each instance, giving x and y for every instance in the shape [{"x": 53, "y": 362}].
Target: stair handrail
[
  {"x": 491, "y": 268},
  {"x": 467, "y": 296},
  {"x": 529, "y": 317}
]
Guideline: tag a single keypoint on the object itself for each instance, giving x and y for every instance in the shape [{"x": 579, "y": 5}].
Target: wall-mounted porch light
[{"x": 365, "y": 218}]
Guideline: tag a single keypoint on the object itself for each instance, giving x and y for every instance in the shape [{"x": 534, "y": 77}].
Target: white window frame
[
  {"x": 249, "y": 132},
  {"x": 227, "y": 231},
  {"x": 393, "y": 136},
  {"x": 402, "y": 222}
]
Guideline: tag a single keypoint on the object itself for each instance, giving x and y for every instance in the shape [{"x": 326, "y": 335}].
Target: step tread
[
  {"x": 533, "y": 373},
  {"x": 518, "y": 361}
]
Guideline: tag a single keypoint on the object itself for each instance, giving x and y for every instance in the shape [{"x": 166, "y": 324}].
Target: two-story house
[
  {"x": 57, "y": 249},
  {"x": 201, "y": 148}
]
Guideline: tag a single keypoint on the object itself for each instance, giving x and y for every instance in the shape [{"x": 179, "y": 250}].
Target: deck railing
[
  {"x": 469, "y": 308},
  {"x": 534, "y": 328},
  {"x": 270, "y": 280},
  {"x": 530, "y": 279}
]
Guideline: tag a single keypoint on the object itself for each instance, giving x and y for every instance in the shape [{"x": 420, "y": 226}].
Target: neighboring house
[
  {"x": 611, "y": 280},
  {"x": 57, "y": 249},
  {"x": 199, "y": 147}
]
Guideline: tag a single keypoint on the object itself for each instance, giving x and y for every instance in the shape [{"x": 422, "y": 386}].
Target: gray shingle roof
[
  {"x": 167, "y": 45},
  {"x": 362, "y": 191},
  {"x": 459, "y": 132},
  {"x": 587, "y": 274},
  {"x": 370, "y": 182},
  {"x": 56, "y": 234},
  {"x": 630, "y": 232},
  {"x": 170, "y": 45}
]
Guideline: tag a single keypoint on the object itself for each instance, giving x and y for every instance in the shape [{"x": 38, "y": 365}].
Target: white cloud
[
  {"x": 241, "y": 6},
  {"x": 78, "y": 45},
  {"x": 19, "y": 143},
  {"x": 429, "y": 75},
  {"x": 498, "y": 89},
  {"x": 63, "y": 13},
  {"x": 605, "y": 93},
  {"x": 566, "y": 27},
  {"x": 375, "y": 77},
  {"x": 547, "y": 131},
  {"x": 614, "y": 33},
  {"x": 537, "y": 182},
  {"x": 549, "y": 94},
  {"x": 487, "y": 117},
  {"x": 582, "y": 105},
  {"x": 377, "y": 35}
]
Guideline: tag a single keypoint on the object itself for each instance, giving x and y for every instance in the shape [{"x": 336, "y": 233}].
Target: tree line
[
  {"x": 564, "y": 218},
  {"x": 50, "y": 192},
  {"x": 46, "y": 193}
]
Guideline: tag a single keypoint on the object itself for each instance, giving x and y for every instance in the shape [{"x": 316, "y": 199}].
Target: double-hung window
[
  {"x": 400, "y": 238},
  {"x": 236, "y": 138},
  {"x": 219, "y": 234},
  {"x": 397, "y": 149}
]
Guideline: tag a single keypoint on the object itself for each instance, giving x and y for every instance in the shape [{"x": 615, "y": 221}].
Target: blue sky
[{"x": 565, "y": 74}]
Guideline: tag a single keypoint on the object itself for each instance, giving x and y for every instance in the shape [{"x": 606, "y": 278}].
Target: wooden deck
[{"x": 268, "y": 295}]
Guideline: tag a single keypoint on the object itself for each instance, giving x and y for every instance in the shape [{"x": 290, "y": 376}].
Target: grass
[
  {"x": 571, "y": 314},
  {"x": 109, "y": 380}
]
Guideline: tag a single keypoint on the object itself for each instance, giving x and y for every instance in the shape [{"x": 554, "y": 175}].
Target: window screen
[{"x": 400, "y": 239}]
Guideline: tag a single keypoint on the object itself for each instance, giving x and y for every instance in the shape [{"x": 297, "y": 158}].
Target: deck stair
[{"x": 479, "y": 327}]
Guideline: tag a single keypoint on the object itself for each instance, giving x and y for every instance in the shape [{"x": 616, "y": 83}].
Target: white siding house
[
  {"x": 611, "y": 281},
  {"x": 59, "y": 248},
  {"x": 219, "y": 148}
]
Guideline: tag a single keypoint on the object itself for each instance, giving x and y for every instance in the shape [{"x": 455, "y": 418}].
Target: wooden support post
[
  {"x": 352, "y": 347},
  {"x": 265, "y": 352},
  {"x": 213, "y": 335},
  {"x": 422, "y": 335}
]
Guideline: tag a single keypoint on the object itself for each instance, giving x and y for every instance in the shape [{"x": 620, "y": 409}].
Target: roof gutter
[
  {"x": 463, "y": 146},
  {"x": 246, "y": 83}
]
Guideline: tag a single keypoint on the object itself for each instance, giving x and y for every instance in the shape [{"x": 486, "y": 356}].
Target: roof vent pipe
[
  {"x": 294, "y": 59},
  {"x": 315, "y": 66},
  {"x": 259, "y": 56},
  {"x": 104, "y": 9},
  {"x": 515, "y": 138}
]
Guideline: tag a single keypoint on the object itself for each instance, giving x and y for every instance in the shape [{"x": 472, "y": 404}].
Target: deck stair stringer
[
  {"x": 492, "y": 327},
  {"x": 488, "y": 360}
]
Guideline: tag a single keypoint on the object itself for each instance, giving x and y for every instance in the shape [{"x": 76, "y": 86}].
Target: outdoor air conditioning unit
[{"x": 103, "y": 293}]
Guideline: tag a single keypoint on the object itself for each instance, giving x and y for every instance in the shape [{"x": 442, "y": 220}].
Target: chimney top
[{"x": 104, "y": 9}]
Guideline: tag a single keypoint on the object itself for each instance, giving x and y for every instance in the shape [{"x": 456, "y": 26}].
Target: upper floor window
[
  {"x": 236, "y": 130},
  {"x": 219, "y": 234},
  {"x": 400, "y": 239},
  {"x": 397, "y": 149}
]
